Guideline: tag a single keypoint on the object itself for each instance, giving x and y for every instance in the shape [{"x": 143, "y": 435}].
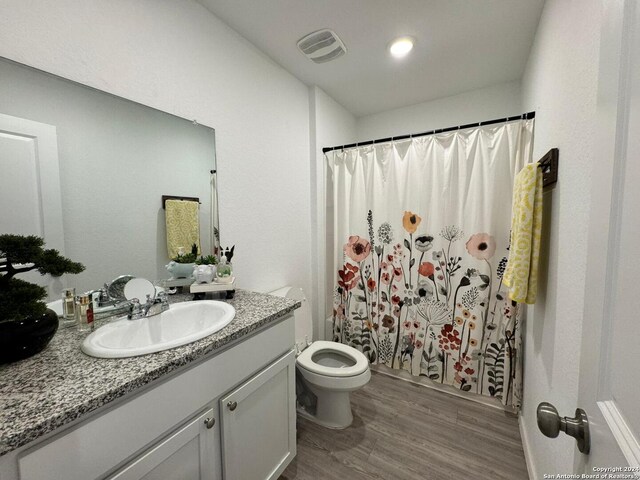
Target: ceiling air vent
[{"x": 322, "y": 46}]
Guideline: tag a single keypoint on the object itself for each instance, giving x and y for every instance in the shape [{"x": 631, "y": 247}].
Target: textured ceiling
[{"x": 461, "y": 44}]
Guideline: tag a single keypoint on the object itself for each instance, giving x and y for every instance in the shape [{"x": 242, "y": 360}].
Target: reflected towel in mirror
[{"x": 183, "y": 226}]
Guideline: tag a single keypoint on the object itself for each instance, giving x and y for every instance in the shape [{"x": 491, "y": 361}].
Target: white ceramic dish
[{"x": 139, "y": 288}]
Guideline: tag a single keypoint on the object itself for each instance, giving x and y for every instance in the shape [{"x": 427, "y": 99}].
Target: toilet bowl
[{"x": 330, "y": 370}]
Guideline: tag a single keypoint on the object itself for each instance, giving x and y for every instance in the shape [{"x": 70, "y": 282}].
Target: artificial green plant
[
  {"x": 187, "y": 257},
  {"x": 19, "y": 254}
]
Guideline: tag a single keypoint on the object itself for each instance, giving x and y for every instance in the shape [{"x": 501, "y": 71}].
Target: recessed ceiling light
[{"x": 400, "y": 47}]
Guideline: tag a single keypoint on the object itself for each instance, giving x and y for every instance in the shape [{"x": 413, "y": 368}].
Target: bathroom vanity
[{"x": 221, "y": 407}]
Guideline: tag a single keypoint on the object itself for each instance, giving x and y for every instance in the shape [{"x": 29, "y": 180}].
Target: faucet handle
[
  {"x": 104, "y": 293},
  {"x": 135, "y": 303},
  {"x": 164, "y": 300},
  {"x": 95, "y": 300},
  {"x": 136, "y": 308}
]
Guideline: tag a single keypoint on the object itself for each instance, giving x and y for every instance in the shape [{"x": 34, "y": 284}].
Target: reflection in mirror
[{"x": 87, "y": 171}]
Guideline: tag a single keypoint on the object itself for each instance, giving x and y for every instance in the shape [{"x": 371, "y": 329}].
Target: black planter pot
[{"x": 24, "y": 338}]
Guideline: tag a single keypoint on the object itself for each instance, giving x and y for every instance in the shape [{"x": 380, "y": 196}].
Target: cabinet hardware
[
  {"x": 209, "y": 422},
  {"x": 232, "y": 405}
]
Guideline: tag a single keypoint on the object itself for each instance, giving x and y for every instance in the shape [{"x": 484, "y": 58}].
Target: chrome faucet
[
  {"x": 104, "y": 306},
  {"x": 100, "y": 297},
  {"x": 152, "y": 307}
]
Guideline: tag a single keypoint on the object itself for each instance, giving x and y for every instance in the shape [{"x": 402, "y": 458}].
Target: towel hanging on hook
[{"x": 173, "y": 197}]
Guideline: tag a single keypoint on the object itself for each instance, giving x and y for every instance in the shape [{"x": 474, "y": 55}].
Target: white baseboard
[{"x": 528, "y": 455}]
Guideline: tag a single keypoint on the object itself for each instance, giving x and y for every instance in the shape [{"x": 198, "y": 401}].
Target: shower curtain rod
[{"x": 524, "y": 116}]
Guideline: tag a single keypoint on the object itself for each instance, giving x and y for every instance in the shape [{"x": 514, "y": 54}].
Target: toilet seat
[{"x": 305, "y": 359}]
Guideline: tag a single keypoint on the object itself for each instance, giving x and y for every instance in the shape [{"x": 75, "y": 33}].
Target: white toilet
[{"x": 329, "y": 370}]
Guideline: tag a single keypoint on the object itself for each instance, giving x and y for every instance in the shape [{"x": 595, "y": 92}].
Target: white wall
[
  {"x": 177, "y": 57},
  {"x": 560, "y": 84},
  {"x": 331, "y": 125},
  {"x": 497, "y": 101}
]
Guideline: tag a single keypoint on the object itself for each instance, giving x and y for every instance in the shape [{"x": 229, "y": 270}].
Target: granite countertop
[{"x": 61, "y": 384}]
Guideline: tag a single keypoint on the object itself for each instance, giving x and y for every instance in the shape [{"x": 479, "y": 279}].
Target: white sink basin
[{"x": 183, "y": 323}]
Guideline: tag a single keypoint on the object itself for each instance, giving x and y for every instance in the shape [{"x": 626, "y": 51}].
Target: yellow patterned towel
[
  {"x": 183, "y": 226},
  {"x": 521, "y": 274}
]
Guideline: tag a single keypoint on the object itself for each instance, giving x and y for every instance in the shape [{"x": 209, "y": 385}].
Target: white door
[
  {"x": 188, "y": 454},
  {"x": 610, "y": 356},
  {"x": 259, "y": 424},
  {"x": 30, "y": 200}
]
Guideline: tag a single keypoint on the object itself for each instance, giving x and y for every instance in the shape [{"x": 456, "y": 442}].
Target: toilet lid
[{"x": 360, "y": 363}]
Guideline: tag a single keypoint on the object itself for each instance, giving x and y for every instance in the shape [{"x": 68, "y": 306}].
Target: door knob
[
  {"x": 550, "y": 424},
  {"x": 232, "y": 405},
  {"x": 209, "y": 422}
]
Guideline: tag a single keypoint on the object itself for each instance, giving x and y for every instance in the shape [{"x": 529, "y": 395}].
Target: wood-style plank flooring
[{"x": 406, "y": 431}]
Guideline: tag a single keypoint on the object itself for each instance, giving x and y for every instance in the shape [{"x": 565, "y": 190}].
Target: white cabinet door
[
  {"x": 259, "y": 424},
  {"x": 191, "y": 453}
]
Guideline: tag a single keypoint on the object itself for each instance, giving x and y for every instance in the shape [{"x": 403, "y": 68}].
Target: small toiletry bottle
[
  {"x": 84, "y": 313},
  {"x": 224, "y": 270},
  {"x": 68, "y": 306}
]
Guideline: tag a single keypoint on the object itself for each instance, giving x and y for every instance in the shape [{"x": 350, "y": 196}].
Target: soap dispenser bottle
[{"x": 224, "y": 271}]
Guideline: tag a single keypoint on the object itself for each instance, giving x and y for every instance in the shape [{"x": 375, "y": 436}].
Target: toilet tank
[{"x": 303, "y": 321}]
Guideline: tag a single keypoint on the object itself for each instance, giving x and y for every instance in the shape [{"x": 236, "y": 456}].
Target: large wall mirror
[{"x": 87, "y": 171}]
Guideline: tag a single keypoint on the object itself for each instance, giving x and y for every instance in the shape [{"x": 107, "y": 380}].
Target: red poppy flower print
[
  {"x": 348, "y": 276},
  {"x": 426, "y": 269},
  {"x": 388, "y": 321},
  {"x": 357, "y": 248}
]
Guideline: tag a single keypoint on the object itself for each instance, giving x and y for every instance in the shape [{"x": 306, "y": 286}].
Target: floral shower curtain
[{"x": 421, "y": 238}]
